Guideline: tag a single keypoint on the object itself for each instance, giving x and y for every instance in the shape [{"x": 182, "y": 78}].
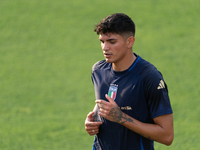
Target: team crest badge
[{"x": 112, "y": 91}]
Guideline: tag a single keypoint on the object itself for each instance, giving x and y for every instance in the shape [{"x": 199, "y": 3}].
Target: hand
[
  {"x": 91, "y": 127},
  {"x": 110, "y": 110}
]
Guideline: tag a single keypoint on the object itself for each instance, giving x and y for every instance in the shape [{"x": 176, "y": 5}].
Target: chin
[{"x": 108, "y": 61}]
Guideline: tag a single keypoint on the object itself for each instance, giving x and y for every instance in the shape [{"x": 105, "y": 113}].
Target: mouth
[{"x": 107, "y": 55}]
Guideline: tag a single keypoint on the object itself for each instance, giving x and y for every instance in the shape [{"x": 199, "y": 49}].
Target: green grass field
[{"x": 47, "y": 49}]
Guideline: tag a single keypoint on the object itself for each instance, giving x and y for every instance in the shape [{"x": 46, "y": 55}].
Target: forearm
[
  {"x": 162, "y": 131},
  {"x": 154, "y": 132}
]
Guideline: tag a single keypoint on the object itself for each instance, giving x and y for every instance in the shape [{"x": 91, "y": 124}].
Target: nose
[{"x": 104, "y": 46}]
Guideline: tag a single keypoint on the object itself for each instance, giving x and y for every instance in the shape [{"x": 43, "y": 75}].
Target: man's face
[{"x": 114, "y": 47}]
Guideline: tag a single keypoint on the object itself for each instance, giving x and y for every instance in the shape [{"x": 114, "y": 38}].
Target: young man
[{"x": 132, "y": 103}]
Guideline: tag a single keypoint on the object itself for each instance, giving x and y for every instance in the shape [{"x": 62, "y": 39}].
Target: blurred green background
[{"x": 47, "y": 49}]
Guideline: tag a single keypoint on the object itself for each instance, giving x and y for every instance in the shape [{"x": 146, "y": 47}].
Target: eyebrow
[{"x": 108, "y": 39}]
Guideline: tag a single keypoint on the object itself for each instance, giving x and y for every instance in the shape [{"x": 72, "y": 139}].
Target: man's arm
[{"x": 162, "y": 131}]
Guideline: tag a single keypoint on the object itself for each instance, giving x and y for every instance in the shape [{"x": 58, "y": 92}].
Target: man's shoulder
[
  {"x": 99, "y": 65},
  {"x": 145, "y": 67},
  {"x": 151, "y": 76},
  {"x": 148, "y": 71}
]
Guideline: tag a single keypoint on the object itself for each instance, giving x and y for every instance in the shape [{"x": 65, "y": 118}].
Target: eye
[
  {"x": 102, "y": 42},
  {"x": 112, "y": 42}
]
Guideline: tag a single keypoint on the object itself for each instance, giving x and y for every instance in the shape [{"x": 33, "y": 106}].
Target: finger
[
  {"x": 93, "y": 124},
  {"x": 103, "y": 106},
  {"x": 89, "y": 117},
  {"x": 92, "y": 128},
  {"x": 102, "y": 113},
  {"x": 93, "y": 132},
  {"x": 89, "y": 129},
  {"x": 109, "y": 99},
  {"x": 90, "y": 114},
  {"x": 99, "y": 101},
  {"x": 96, "y": 123}
]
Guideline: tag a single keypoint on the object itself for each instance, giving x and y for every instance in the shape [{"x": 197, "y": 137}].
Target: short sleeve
[{"x": 156, "y": 94}]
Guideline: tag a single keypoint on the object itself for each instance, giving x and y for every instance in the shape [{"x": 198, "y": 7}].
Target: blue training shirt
[{"x": 140, "y": 92}]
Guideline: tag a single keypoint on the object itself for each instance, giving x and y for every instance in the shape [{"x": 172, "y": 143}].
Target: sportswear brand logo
[
  {"x": 161, "y": 85},
  {"x": 126, "y": 108},
  {"x": 112, "y": 91}
]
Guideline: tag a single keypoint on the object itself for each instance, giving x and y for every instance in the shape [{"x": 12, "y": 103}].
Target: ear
[{"x": 130, "y": 41}]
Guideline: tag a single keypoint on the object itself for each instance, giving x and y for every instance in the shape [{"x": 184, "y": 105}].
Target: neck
[{"x": 125, "y": 64}]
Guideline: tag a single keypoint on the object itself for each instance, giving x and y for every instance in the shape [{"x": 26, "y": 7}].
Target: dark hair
[{"x": 116, "y": 23}]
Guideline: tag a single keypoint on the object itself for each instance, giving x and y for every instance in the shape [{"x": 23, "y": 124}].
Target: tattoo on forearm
[
  {"x": 120, "y": 117},
  {"x": 127, "y": 119},
  {"x": 117, "y": 116}
]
